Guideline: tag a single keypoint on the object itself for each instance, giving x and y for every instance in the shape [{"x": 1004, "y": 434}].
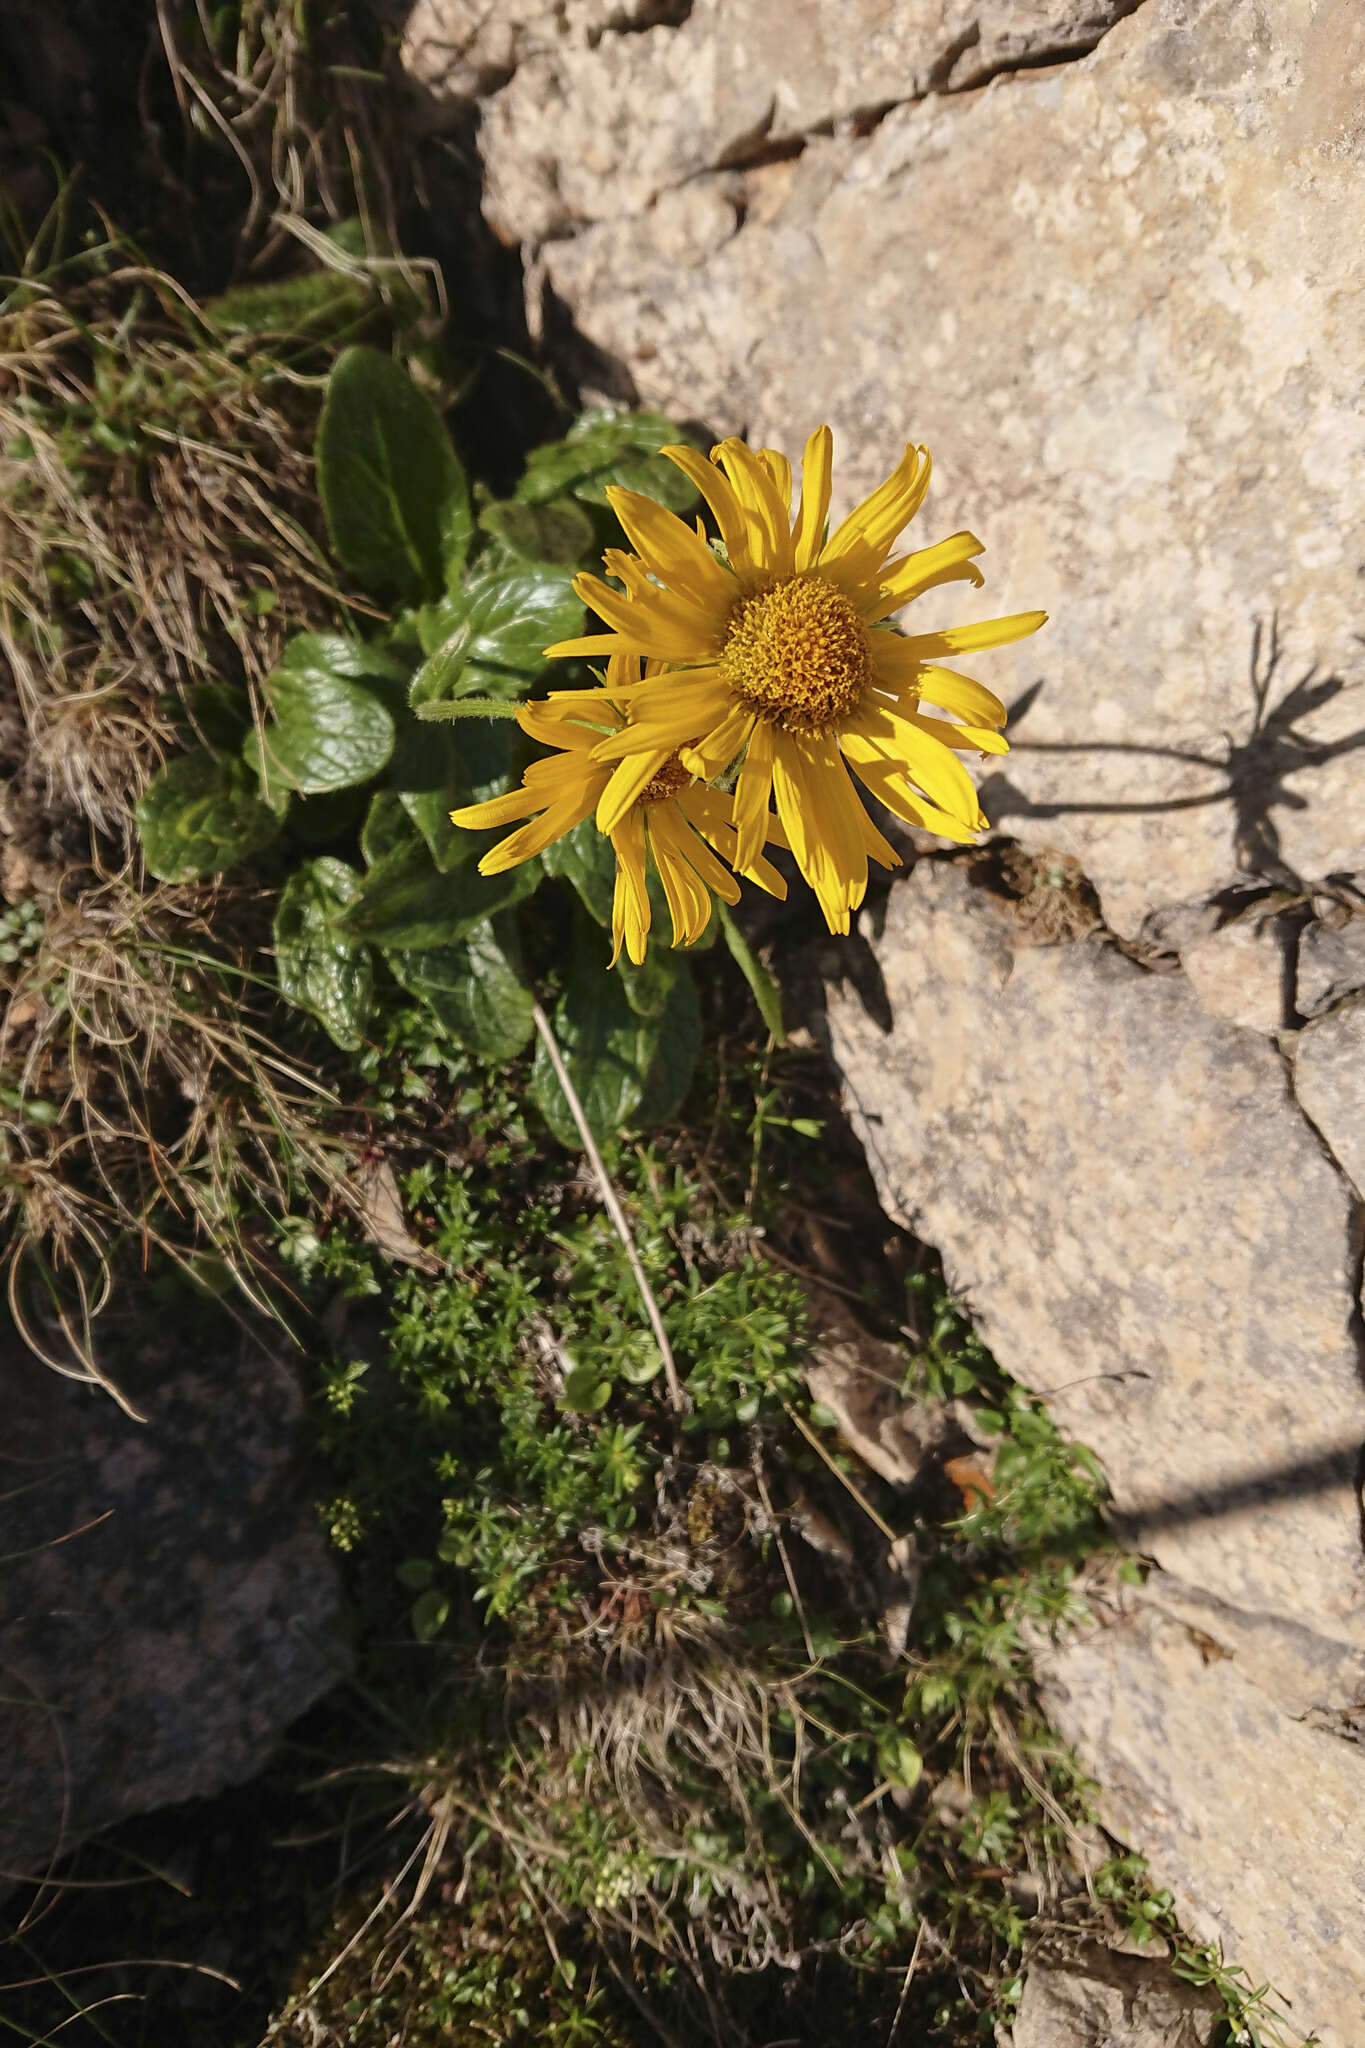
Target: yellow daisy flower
[
  {"x": 774, "y": 657},
  {"x": 681, "y": 823}
]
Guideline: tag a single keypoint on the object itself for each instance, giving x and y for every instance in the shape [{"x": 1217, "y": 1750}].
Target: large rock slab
[
  {"x": 1119, "y": 299},
  {"x": 168, "y": 1605},
  {"x": 1149, "y": 1230},
  {"x": 1249, "y": 1816},
  {"x": 1144, "y": 1227}
]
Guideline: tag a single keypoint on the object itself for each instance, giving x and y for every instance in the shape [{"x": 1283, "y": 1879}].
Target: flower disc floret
[{"x": 798, "y": 655}]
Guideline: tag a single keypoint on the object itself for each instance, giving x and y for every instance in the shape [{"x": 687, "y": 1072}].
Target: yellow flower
[
  {"x": 774, "y": 657},
  {"x": 669, "y": 813}
]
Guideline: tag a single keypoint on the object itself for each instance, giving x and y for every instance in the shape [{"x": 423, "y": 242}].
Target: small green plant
[{"x": 347, "y": 785}]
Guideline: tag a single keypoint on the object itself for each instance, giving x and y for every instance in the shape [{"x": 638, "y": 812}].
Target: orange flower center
[
  {"x": 671, "y": 778},
  {"x": 798, "y": 655}
]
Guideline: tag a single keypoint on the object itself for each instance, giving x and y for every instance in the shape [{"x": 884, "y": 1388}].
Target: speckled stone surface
[{"x": 168, "y": 1604}]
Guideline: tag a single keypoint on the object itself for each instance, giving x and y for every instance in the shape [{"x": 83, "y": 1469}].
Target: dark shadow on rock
[{"x": 1252, "y": 773}]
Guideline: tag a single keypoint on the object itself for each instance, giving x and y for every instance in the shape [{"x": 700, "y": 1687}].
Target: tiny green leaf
[
  {"x": 585, "y": 1392},
  {"x": 393, "y": 491},
  {"x": 201, "y": 814},
  {"x": 430, "y": 1612},
  {"x": 320, "y": 968}
]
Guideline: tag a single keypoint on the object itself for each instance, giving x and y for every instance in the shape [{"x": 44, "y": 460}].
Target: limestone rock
[
  {"x": 1247, "y": 1815},
  {"x": 1117, "y": 297},
  {"x": 1331, "y": 964},
  {"x": 1102, "y": 2000},
  {"x": 169, "y": 1604},
  {"x": 1244, "y": 972},
  {"x": 1329, "y": 1080},
  {"x": 593, "y": 125},
  {"x": 1144, "y": 1228}
]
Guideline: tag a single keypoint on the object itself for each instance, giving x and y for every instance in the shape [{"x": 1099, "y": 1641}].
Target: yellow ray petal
[
  {"x": 647, "y": 618},
  {"x": 961, "y": 696},
  {"x": 688, "y": 714},
  {"x": 816, "y": 471},
  {"x": 709, "y": 813},
  {"x": 532, "y": 839},
  {"x": 595, "y": 647},
  {"x": 934, "y": 767},
  {"x": 630, "y": 896},
  {"x": 964, "y": 739},
  {"x": 758, "y": 497},
  {"x": 730, "y": 516},
  {"x": 814, "y": 802},
  {"x": 625, "y": 783},
  {"x": 752, "y": 792},
  {"x": 673, "y": 550},
  {"x": 708, "y": 756},
  {"x": 926, "y": 647},
  {"x": 857, "y": 548},
  {"x": 780, "y": 470},
  {"x": 891, "y": 786},
  {"x": 668, "y": 821},
  {"x": 950, "y": 561},
  {"x": 689, "y": 904},
  {"x": 556, "y": 723}
]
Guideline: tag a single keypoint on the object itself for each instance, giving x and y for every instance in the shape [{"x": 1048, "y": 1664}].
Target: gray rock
[
  {"x": 1249, "y": 1816},
  {"x": 592, "y": 125},
  {"x": 168, "y": 1604},
  {"x": 1244, "y": 972},
  {"x": 1143, "y": 1226},
  {"x": 1329, "y": 1080},
  {"x": 1103, "y": 2000},
  {"x": 1115, "y": 296},
  {"x": 1331, "y": 965}
]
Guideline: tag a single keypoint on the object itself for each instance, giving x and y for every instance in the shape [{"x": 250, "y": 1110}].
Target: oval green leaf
[{"x": 202, "y": 814}]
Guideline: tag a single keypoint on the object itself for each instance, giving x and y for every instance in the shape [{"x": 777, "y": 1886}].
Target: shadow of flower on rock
[{"x": 1253, "y": 773}]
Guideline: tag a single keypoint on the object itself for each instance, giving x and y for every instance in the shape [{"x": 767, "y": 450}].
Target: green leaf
[
  {"x": 339, "y": 655},
  {"x": 320, "y": 968},
  {"x": 415, "y": 1573},
  {"x": 393, "y": 491},
  {"x": 585, "y": 1392},
  {"x": 325, "y": 303},
  {"x": 585, "y": 858},
  {"x": 387, "y": 827},
  {"x": 558, "y": 531},
  {"x": 649, "y": 986},
  {"x": 676, "y": 1043},
  {"x": 609, "y": 446},
  {"x": 430, "y": 1612},
  {"x": 756, "y": 974},
  {"x": 328, "y": 732},
  {"x": 437, "y": 769},
  {"x": 474, "y": 990},
  {"x": 406, "y": 903},
  {"x": 439, "y": 675},
  {"x": 899, "y": 1762},
  {"x": 513, "y": 615},
  {"x": 606, "y": 1049},
  {"x": 200, "y": 815}
]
